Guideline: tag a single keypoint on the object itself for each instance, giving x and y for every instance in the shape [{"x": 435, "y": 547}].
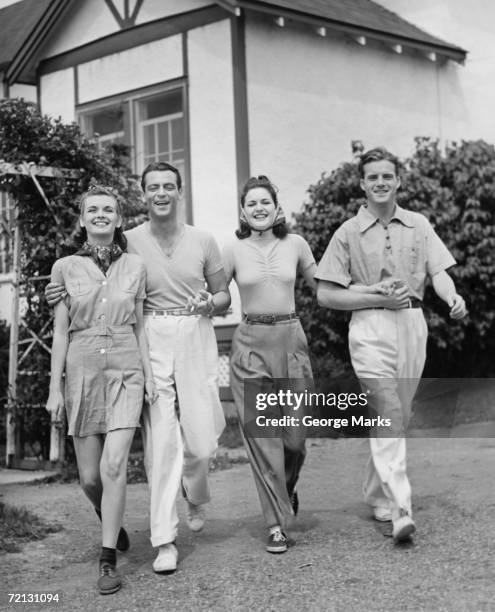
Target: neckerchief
[{"x": 101, "y": 255}]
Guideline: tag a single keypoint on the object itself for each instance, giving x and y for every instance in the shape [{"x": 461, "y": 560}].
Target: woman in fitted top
[{"x": 268, "y": 345}]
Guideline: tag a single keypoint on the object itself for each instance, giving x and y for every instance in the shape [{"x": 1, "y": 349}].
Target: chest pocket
[
  {"x": 412, "y": 252},
  {"x": 78, "y": 284}
]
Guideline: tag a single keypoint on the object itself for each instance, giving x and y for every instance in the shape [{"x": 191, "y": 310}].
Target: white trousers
[
  {"x": 177, "y": 447},
  {"x": 388, "y": 352}
]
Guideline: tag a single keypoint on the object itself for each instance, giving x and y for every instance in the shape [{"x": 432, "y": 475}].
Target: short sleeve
[
  {"x": 141, "y": 292},
  {"x": 306, "y": 258},
  {"x": 228, "y": 262},
  {"x": 213, "y": 259},
  {"x": 56, "y": 275},
  {"x": 335, "y": 264},
  {"x": 438, "y": 257}
]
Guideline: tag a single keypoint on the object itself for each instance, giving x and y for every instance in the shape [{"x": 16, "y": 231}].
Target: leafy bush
[
  {"x": 455, "y": 189},
  {"x": 28, "y": 136}
]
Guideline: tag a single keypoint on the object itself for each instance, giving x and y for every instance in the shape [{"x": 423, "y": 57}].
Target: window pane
[
  {"x": 177, "y": 133},
  {"x": 108, "y": 120},
  {"x": 163, "y": 144},
  {"x": 149, "y": 139},
  {"x": 164, "y": 104}
]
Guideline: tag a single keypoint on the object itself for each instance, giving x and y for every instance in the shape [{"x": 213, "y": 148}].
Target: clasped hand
[{"x": 201, "y": 303}]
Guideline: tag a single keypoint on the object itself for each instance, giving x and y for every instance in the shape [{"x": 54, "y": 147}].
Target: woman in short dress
[
  {"x": 99, "y": 341},
  {"x": 269, "y": 344}
]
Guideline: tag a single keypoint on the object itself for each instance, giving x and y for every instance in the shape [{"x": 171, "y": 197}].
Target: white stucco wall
[
  {"x": 28, "y": 92},
  {"x": 212, "y": 135},
  {"x": 57, "y": 97},
  {"x": 468, "y": 25},
  {"x": 211, "y": 124},
  {"x": 138, "y": 67},
  {"x": 310, "y": 96},
  {"x": 84, "y": 22},
  {"x": 92, "y": 19},
  {"x": 158, "y": 9}
]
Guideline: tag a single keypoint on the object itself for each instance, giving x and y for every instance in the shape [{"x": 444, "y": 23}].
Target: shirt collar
[{"x": 366, "y": 219}]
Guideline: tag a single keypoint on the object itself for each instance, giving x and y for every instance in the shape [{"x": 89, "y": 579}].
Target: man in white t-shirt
[{"x": 185, "y": 285}]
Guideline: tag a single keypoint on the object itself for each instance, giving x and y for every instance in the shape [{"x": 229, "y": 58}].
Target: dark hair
[
  {"x": 377, "y": 154},
  {"x": 160, "y": 167},
  {"x": 259, "y": 181},
  {"x": 81, "y": 235},
  {"x": 280, "y": 230}
]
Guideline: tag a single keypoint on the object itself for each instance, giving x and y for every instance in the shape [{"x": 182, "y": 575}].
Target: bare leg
[
  {"x": 113, "y": 470},
  {"x": 88, "y": 454}
]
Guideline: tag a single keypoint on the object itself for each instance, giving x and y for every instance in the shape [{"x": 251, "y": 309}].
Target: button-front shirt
[
  {"x": 96, "y": 299},
  {"x": 364, "y": 251}
]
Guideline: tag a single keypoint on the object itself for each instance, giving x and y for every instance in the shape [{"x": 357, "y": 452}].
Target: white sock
[{"x": 272, "y": 530}]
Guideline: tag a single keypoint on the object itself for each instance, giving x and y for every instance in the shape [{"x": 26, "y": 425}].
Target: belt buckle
[
  {"x": 268, "y": 319},
  {"x": 409, "y": 303}
]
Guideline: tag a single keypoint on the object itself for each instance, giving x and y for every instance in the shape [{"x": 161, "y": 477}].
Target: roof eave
[
  {"x": 20, "y": 63},
  {"x": 452, "y": 52}
]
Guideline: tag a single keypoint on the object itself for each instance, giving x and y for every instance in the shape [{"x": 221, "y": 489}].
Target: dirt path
[{"x": 342, "y": 560}]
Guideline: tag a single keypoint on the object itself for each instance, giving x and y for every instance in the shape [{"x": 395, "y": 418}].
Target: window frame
[{"x": 130, "y": 101}]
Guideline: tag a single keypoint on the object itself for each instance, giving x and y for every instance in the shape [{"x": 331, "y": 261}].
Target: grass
[{"x": 19, "y": 525}]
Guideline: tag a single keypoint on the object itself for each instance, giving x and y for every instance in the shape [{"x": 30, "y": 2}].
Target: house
[{"x": 232, "y": 88}]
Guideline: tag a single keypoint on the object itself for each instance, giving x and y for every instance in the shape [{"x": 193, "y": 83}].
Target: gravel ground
[{"x": 342, "y": 560}]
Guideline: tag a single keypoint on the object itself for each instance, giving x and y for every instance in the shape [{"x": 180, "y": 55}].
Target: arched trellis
[{"x": 20, "y": 349}]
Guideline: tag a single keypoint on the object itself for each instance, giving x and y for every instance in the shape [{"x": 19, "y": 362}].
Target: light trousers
[
  {"x": 388, "y": 352},
  {"x": 177, "y": 447}
]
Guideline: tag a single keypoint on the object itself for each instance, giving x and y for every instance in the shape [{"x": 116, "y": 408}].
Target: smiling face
[
  {"x": 100, "y": 217},
  {"x": 162, "y": 194},
  {"x": 259, "y": 208},
  {"x": 380, "y": 182}
]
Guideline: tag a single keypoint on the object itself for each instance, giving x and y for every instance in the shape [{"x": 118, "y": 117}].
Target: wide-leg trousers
[
  {"x": 263, "y": 353},
  {"x": 388, "y": 352},
  {"x": 177, "y": 447}
]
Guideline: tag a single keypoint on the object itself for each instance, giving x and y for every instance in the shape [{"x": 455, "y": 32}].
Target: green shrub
[{"x": 455, "y": 189}]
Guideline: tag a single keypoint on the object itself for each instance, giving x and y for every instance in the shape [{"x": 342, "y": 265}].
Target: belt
[
  {"x": 268, "y": 319},
  {"x": 171, "y": 312},
  {"x": 412, "y": 303},
  {"x": 102, "y": 330}
]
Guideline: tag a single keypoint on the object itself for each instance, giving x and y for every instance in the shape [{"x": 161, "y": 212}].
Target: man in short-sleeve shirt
[
  {"x": 396, "y": 248},
  {"x": 185, "y": 285}
]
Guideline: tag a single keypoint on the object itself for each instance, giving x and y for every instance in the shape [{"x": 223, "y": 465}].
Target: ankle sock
[
  {"x": 272, "y": 530},
  {"x": 108, "y": 555}
]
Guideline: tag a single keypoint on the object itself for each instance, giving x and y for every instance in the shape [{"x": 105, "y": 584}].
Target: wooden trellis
[{"x": 13, "y": 451}]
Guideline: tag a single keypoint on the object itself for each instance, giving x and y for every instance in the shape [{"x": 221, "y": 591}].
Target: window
[
  {"x": 160, "y": 129},
  {"x": 151, "y": 121},
  {"x": 6, "y": 238},
  {"x": 107, "y": 124}
]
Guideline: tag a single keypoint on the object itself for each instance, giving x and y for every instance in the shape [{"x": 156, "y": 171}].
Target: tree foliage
[
  {"x": 27, "y": 136},
  {"x": 455, "y": 189}
]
